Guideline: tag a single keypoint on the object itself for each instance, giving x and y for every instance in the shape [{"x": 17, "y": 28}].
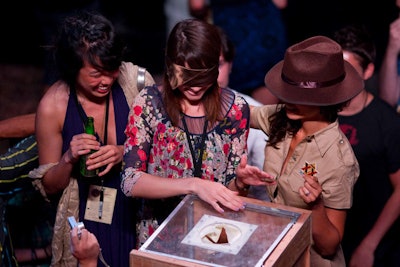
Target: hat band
[{"x": 309, "y": 84}]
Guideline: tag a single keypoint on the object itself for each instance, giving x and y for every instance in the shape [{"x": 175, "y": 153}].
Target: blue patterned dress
[{"x": 118, "y": 239}]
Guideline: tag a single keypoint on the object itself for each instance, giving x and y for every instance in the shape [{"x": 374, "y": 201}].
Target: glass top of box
[{"x": 195, "y": 232}]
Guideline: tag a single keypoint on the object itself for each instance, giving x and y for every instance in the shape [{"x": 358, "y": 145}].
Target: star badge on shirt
[{"x": 309, "y": 168}]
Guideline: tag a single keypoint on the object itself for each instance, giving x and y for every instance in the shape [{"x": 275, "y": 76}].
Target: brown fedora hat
[{"x": 313, "y": 72}]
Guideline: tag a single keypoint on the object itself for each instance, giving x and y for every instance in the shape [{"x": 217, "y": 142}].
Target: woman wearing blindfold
[{"x": 191, "y": 131}]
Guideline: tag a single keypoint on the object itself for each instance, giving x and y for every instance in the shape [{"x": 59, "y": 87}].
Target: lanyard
[
  {"x": 197, "y": 163},
  {"x": 83, "y": 116}
]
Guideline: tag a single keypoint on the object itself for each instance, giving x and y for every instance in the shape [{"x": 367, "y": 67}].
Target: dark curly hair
[
  {"x": 86, "y": 36},
  {"x": 281, "y": 124}
]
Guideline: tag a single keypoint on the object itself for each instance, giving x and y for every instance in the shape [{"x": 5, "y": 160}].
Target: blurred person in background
[
  {"x": 373, "y": 129},
  {"x": 258, "y": 32},
  {"x": 389, "y": 74}
]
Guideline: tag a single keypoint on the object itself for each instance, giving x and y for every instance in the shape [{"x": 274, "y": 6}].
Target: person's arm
[
  {"x": 389, "y": 80},
  {"x": 256, "y": 143},
  {"x": 18, "y": 127},
  {"x": 328, "y": 223},
  {"x": 259, "y": 116},
  {"x": 246, "y": 175},
  {"x": 328, "y": 228},
  {"x": 364, "y": 253},
  {"x": 49, "y": 121}
]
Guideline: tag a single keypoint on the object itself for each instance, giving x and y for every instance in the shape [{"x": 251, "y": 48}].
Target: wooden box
[{"x": 264, "y": 234}]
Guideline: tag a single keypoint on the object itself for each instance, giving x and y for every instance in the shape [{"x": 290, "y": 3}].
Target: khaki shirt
[{"x": 328, "y": 150}]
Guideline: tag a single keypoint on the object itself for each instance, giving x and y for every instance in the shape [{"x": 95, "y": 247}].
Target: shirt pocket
[{"x": 295, "y": 181}]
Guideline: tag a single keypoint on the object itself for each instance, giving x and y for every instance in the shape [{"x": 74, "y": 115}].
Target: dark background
[{"x": 142, "y": 24}]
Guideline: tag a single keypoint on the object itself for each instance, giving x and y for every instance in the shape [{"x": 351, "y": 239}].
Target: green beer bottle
[{"x": 89, "y": 129}]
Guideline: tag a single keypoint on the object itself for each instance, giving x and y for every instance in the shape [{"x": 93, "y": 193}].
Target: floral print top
[{"x": 155, "y": 146}]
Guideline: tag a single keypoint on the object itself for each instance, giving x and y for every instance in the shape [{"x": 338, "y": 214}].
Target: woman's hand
[
  {"x": 218, "y": 195},
  {"x": 312, "y": 190},
  {"x": 81, "y": 144},
  {"x": 109, "y": 156},
  {"x": 251, "y": 175}
]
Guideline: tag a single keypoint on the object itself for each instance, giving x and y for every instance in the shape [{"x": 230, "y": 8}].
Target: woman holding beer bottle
[{"x": 94, "y": 82}]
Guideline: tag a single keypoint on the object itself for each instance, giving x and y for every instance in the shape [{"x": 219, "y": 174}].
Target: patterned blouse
[{"x": 157, "y": 147}]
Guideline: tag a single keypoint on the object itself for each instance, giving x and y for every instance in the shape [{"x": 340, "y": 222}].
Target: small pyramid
[{"x": 223, "y": 237}]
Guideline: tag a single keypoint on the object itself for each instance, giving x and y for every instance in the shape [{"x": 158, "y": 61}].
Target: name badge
[{"x": 100, "y": 204}]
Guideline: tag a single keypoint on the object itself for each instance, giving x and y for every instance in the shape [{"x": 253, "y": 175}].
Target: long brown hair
[{"x": 197, "y": 44}]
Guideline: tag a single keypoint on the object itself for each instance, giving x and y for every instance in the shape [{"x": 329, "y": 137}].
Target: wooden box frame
[{"x": 282, "y": 238}]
